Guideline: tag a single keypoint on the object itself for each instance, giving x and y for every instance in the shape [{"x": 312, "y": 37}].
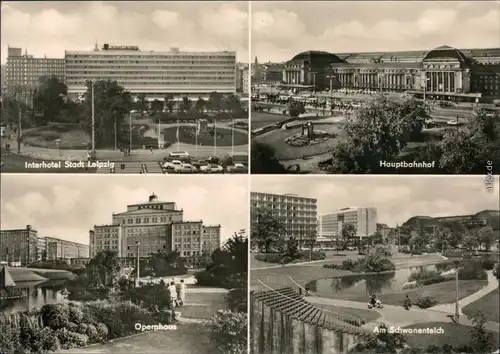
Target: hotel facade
[
  {"x": 364, "y": 221},
  {"x": 299, "y": 215},
  {"x": 154, "y": 225},
  {"x": 154, "y": 74},
  {"x": 443, "y": 72}
]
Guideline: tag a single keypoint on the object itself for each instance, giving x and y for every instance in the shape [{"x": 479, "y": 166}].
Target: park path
[
  {"x": 136, "y": 154},
  {"x": 397, "y": 316}
]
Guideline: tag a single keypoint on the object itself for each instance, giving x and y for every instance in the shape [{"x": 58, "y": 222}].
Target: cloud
[
  {"x": 59, "y": 207},
  {"x": 58, "y": 26},
  {"x": 397, "y": 198},
  {"x": 362, "y": 27}
]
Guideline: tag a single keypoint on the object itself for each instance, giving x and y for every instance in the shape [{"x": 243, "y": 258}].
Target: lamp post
[
  {"x": 93, "y": 117},
  {"x": 457, "y": 309},
  {"x": 138, "y": 257}
]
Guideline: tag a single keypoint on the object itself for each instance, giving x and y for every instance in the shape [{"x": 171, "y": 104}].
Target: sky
[
  {"x": 68, "y": 207},
  {"x": 397, "y": 198},
  {"x": 49, "y": 28},
  {"x": 281, "y": 29}
]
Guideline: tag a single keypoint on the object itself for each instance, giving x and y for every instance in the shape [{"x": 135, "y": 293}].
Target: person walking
[
  {"x": 182, "y": 293},
  {"x": 173, "y": 295}
]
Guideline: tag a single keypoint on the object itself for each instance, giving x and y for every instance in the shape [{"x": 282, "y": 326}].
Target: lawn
[
  {"x": 488, "y": 305},
  {"x": 187, "y": 135},
  {"x": 202, "y": 305},
  {"x": 285, "y": 152},
  {"x": 261, "y": 119},
  {"x": 453, "y": 335},
  {"x": 444, "y": 292},
  {"x": 367, "y": 315}
]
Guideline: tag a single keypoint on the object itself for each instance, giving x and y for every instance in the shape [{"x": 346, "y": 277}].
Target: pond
[
  {"x": 363, "y": 284},
  {"x": 37, "y": 295}
]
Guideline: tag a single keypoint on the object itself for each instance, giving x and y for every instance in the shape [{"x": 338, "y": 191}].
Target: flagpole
[
  {"x": 232, "y": 137},
  {"x": 215, "y": 137},
  {"x": 178, "y": 149},
  {"x": 196, "y": 137}
]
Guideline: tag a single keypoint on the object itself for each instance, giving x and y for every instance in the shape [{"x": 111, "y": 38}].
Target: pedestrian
[
  {"x": 182, "y": 293},
  {"x": 173, "y": 295}
]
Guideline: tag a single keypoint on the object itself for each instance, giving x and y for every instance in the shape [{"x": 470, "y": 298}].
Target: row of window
[
  {"x": 149, "y": 57},
  {"x": 218, "y": 83}
]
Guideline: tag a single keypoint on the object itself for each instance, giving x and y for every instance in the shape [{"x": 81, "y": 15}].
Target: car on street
[
  {"x": 452, "y": 122},
  {"x": 174, "y": 164},
  {"x": 211, "y": 168},
  {"x": 186, "y": 168},
  {"x": 237, "y": 168}
]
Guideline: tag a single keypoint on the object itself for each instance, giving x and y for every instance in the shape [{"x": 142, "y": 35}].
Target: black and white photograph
[
  {"x": 374, "y": 264},
  {"x": 375, "y": 87},
  {"x": 123, "y": 264},
  {"x": 125, "y": 87}
]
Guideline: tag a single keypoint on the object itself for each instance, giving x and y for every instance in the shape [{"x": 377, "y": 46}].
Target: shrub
[
  {"x": 82, "y": 328},
  {"x": 376, "y": 265},
  {"x": 434, "y": 280},
  {"x": 75, "y": 314},
  {"x": 48, "y": 340},
  {"x": 102, "y": 331},
  {"x": 411, "y": 285},
  {"x": 488, "y": 264},
  {"x": 332, "y": 266},
  {"x": 472, "y": 271},
  {"x": 269, "y": 258},
  {"x": 229, "y": 331},
  {"x": 55, "y": 316},
  {"x": 423, "y": 274},
  {"x": 426, "y": 302},
  {"x": 236, "y": 299},
  {"x": 73, "y": 327},
  {"x": 92, "y": 334}
]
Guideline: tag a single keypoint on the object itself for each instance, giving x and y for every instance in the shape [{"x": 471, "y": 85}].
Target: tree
[
  {"x": 169, "y": 104},
  {"x": 378, "y": 131},
  {"x": 267, "y": 230},
  {"x": 296, "y": 108},
  {"x": 200, "y": 105},
  {"x": 215, "y": 102},
  {"x": 156, "y": 106},
  {"x": 44, "y": 256},
  {"x": 104, "y": 269},
  {"x": 50, "y": 98},
  {"x": 486, "y": 237},
  {"x": 482, "y": 340},
  {"x": 377, "y": 238},
  {"x": 348, "y": 232},
  {"x": 233, "y": 104},
  {"x": 264, "y": 160},
  {"x": 471, "y": 242},
  {"x": 111, "y": 104},
  {"x": 185, "y": 105},
  {"x": 292, "y": 248},
  {"x": 468, "y": 149},
  {"x": 141, "y": 103}
]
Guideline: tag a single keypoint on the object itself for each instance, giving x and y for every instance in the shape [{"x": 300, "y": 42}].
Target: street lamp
[{"x": 137, "y": 277}]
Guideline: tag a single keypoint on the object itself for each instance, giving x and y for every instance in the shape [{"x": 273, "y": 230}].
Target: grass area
[
  {"x": 366, "y": 315},
  {"x": 189, "y": 338},
  {"x": 444, "y": 292},
  {"x": 187, "y": 135},
  {"x": 13, "y": 163},
  {"x": 285, "y": 152},
  {"x": 203, "y": 305},
  {"x": 453, "y": 335},
  {"x": 261, "y": 119},
  {"x": 488, "y": 305}
]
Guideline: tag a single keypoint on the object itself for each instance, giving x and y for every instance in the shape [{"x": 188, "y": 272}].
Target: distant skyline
[
  {"x": 47, "y": 28},
  {"x": 281, "y": 29},
  {"x": 397, "y": 198},
  {"x": 67, "y": 207}
]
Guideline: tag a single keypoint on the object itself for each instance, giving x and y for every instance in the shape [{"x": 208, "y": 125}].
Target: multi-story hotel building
[
  {"x": 154, "y": 74},
  {"x": 57, "y": 248},
  {"x": 23, "y": 73},
  {"x": 444, "y": 72},
  {"x": 364, "y": 221},
  {"x": 19, "y": 245},
  {"x": 154, "y": 225},
  {"x": 299, "y": 215}
]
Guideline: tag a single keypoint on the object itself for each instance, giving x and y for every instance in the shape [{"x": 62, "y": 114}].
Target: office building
[
  {"x": 19, "y": 246},
  {"x": 151, "y": 226},
  {"x": 297, "y": 214},
  {"x": 24, "y": 71},
  {"x": 154, "y": 74},
  {"x": 57, "y": 248},
  {"x": 443, "y": 72},
  {"x": 242, "y": 77},
  {"x": 364, "y": 221}
]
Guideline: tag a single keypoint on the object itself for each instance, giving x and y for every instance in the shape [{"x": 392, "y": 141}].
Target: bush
[
  {"x": 434, "y": 280},
  {"x": 55, "y": 316},
  {"x": 377, "y": 265},
  {"x": 48, "y": 340},
  {"x": 92, "y": 334},
  {"x": 332, "y": 266},
  {"x": 70, "y": 339},
  {"x": 472, "y": 271},
  {"x": 236, "y": 299},
  {"x": 229, "y": 331},
  {"x": 488, "y": 264},
  {"x": 423, "y": 274},
  {"x": 269, "y": 257},
  {"x": 102, "y": 331},
  {"x": 75, "y": 314},
  {"x": 426, "y": 302}
]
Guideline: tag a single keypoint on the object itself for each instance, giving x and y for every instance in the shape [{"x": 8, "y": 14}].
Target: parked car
[
  {"x": 186, "y": 168},
  {"x": 211, "y": 168},
  {"x": 174, "y": 164},
  {"x": 236, "y": 168}
]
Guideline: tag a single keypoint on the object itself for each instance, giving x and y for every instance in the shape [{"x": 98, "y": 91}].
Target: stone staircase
[{"x": 282, "y": 321}]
